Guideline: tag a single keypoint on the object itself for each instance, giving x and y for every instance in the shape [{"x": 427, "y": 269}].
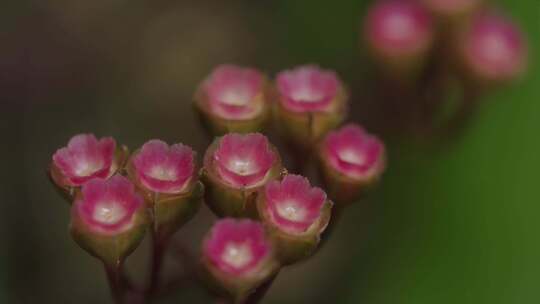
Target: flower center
[
  {"x": 239, "y": 96},
  {"x": 87, "y": 168},
  {"x": 398, "y": 26},
  {"x": 495, "y": 48},
  {"x": 162, "y": 173},
  {"x": 351, "y": 156},
  {"x": 291, "y": 210},
  {"x": 306, "y": 94},
  {"x": 237, "y": 255},
  {"x": 242, "y": 166},
  {"x": 109, "y": 213}
]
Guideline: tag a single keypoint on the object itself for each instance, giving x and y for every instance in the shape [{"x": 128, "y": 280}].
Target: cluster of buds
[
  {"x": 305, "y": 102},
  {"x": 268, "y": 218},
  {"x": 404, "y": 35},
  {"x": 116, "y": 197}
]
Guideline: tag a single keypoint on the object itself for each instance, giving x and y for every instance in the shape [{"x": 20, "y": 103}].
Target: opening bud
[
  {"x": 233, "y": 99},
  {"x": 108, "y": 219},
  {"x": 399, "y": 35},
  {"x": 238, "y": 256},
  {"x": 84, "y": 158},
  {"x": 492, "y": 49},
  {"x": 296, "y": 214},
  {"x": 166, "y": 177},
  {"x": 351, "y": 160},
  {"x": 235, "y": 167},
  {"x": 311, "y": 101}
]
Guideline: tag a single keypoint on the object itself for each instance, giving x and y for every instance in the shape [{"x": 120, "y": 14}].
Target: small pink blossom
[
  {"x": 161, "y": 168},
  {"x": 398, "y": 28},
  {"x": 237, "y": 247},
  {"x": 494, "y": 48},
  {"x": 307, "y": 88},
  {"x": 85, "y": 158},
  {"x": 292, "y": 205},
  {"x": 108, "y": 206},
  {"x": 353, "y": 152},
  {"x": 243, "y": 160},
  {"x": 234, "y": 93}
]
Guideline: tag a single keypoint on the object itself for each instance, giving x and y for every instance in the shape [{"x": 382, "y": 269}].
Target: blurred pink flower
[
  {"x": 232, "y": 92},
  {"x": 307, "y": 88},
  {"x": 398, "y": 28},
  {"x": 494, "y": 48}
]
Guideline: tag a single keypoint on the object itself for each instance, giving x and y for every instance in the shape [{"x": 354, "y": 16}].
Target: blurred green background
[{"x": 451, "y": 223}]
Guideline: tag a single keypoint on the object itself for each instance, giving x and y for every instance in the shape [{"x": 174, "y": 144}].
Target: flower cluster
[
  {"x": 306, "y": 102},
  {"x": 268, "y": 218},
  {"x": 436, "y": 58},
  {"x": 487, "y": 47}
]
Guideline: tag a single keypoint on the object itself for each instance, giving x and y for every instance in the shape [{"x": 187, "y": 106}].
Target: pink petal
[
  {"x": 307, "y": 88},
  {"x": 231, "y": 231}
]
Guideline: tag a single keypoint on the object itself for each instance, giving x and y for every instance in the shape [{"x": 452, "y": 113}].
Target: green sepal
[{"x": 112, "y": 249}]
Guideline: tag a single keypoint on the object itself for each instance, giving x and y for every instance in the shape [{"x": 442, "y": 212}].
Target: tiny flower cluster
[
  {"x": 306, "y": 102},
  {"x": 268, "y": 218},
  {"x": 487, "y": 47}
]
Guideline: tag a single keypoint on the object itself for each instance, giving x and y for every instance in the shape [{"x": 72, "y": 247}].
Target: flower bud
[
  {"x": 399, "y": 35},
  {"x": 452, "y": 8},
  {"x": 295, "y": 214},
  {"x": 108, "y": 219},
  {"x": 238, "y": 257},
  {"x": 166, "y": 177},
  {"x": 311, "y": 101},
  {"x": 351, "y": 160},
  {"x": 492, "y": 49},
  {"x": 85, "y": 158},
  {"x": 233, "y": 99},
  {"x": 235, "y": 167}
]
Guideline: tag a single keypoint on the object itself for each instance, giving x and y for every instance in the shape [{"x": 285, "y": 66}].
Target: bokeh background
[{"x": 452, "y": 222}]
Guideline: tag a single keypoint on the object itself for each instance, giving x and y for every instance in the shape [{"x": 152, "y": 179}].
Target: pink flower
[
  {"x": 234, "y": 93},
  {"x": 85, "y": 158},
  {"x": 242, "y": 160},
  {"x": 237, "y": 247},
  {"x": 307, "y": 88},
  {"x": 292, "y": 205},
  {"x": 494, "y": 48},
  {"x": 164, "y": 169},
  {"x": 398, "y": 28},
  {"x": 108, "y": 206},
  {"x": 353, "y": 152}
]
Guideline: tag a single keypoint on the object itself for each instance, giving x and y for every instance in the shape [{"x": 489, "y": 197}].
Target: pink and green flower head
[
  {"x": 243, "y": 160},
  {"x": 292, "y": 205},
  {"x": 85, "y": 158},
  {"x": 398, "y": 28},
  {"x": 354, "y": 153},
  {"x": 162, "y": 168},
  {"x": 451, "y": 7},
  {"x": 234, "y": 93},
  {"x": 307, "y": 89},
  {"x": 494, "y": 48},
  {"x": 108, "y": 206},
  {"x": 237, "y": 247}
]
